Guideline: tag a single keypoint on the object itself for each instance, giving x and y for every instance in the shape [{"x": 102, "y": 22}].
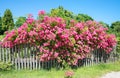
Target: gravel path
[{"x": 112, "y": 75}]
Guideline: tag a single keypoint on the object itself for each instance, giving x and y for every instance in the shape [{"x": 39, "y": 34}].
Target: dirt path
[{"x": 112, "y": 75}]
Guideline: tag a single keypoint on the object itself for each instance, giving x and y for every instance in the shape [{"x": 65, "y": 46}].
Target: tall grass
[
  {"x": 84, "y": 72},
  {"x": 97, "y": 70}
]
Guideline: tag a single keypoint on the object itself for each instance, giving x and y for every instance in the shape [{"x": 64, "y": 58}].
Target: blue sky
[{"x": 101, "y": 10}]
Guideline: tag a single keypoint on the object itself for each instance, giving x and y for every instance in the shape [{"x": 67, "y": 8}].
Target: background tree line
[{"x": 7, "y": 22}]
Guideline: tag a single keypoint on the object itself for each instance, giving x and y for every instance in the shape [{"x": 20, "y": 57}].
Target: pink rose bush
[
  {"x": 69, "y": 74},
  {"x": 56, "y": 41}
]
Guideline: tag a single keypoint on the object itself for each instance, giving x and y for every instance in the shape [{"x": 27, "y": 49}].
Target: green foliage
[
  {"x": 1, "y": 31},
  {"x": 68, "y": 15},
  {"x": 83, "y": 17},
  {"x": 20, "y": 21},
  {"x": 118, "y": 45},
  {"x": 61, "y": 12},
  {"x": 7, "y": 21},
  {"x": 1, "y": 37},
  {"x": 105, "y": 25},
  {"x": 0, "y": 21},
  {"x": 115, "y": 29},
  {"x": 5, "y": 66}
]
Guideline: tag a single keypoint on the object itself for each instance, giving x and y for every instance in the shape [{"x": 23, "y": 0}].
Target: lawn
[{"x": 84, "y": 72}]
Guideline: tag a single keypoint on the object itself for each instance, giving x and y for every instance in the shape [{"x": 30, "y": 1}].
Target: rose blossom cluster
[
  {"x": 69, "y": 74},
  {"x": 56, "y": 40}
]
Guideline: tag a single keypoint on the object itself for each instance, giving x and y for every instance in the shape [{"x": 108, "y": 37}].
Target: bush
[
  {"x": 5, "y": 66},
  {"x": 69, "y": 74},
  {"x": 118, "y": 44},
  {"x": 56, "y": 40}
]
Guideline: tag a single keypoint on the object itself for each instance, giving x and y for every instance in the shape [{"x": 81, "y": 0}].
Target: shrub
[
  {"x": 56, "y": 40},
  {"x": 69, "y": 74},
  {"x": 5, "y": 66}
]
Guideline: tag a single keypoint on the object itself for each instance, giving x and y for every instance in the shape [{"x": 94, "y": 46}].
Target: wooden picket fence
[{"x": 25, "y": 57}]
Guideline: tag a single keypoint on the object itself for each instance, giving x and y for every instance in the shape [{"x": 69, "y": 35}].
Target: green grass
[
  {"x": 84, "y": 72},
  {"x": 97, "y": 70}
]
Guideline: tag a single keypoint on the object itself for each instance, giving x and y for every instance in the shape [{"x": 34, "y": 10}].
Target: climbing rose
[
  {"x": 55, "y": 40},
  {"x": 42, "y": 12}
]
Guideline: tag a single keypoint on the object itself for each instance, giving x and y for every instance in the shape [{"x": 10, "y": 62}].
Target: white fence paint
[{"x": 25, "y": 57}]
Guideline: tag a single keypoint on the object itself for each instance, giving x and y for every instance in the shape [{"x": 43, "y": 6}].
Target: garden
[{"x": 37, "y": 42}]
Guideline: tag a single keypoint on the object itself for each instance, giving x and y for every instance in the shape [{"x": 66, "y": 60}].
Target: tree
[
  {"x": 104, "y": 24},
  {"x": 7, "y": 21},
  {"x": 68, "y": 15},
  {"x": 61, "y": 12},
  {"x": 0, "y": 21},
  {"x": 20, "y": 21},
  {"x": 83, "y": 17},
  {"x": 115, "y": 26},
  {"x": 1, "y": 26}
]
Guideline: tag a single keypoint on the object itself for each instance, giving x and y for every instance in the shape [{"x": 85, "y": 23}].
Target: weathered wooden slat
[
  {"x": 31, "y": 58},
  {"x": 16, "y": 64},
  {"x": 36, "y": 65},
  {"x": 9, "y": 55},
  {"x": 12, "y": 55},
  {"x": 6, "y": 55},
  {"x": 22, "y": 61},
  {"x": 25, "y": 57},
  {"x": 35, "y": 57},
  {"x": 96, "y": 56},
  {"x": 39, "y": 64},
  {"x": 3, "y": 54},
  {"x": 18, "y": 56},
  {"x": 0, "y": 53}
]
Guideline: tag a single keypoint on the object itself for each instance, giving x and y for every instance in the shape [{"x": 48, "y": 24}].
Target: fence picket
[
  {"x": 6, "y": 55},
  {"x": 18, "y": 55},
  {"x": 0, "y": 53},
  {"x": 9, "y": 55},
  {"x": 30, "y": 58},
  {"x": 25, "y": 57},
  {"x": 16, "y": 65},
  {"x": 12, "y": 55},
  {"x": 39, "y": 64}
]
